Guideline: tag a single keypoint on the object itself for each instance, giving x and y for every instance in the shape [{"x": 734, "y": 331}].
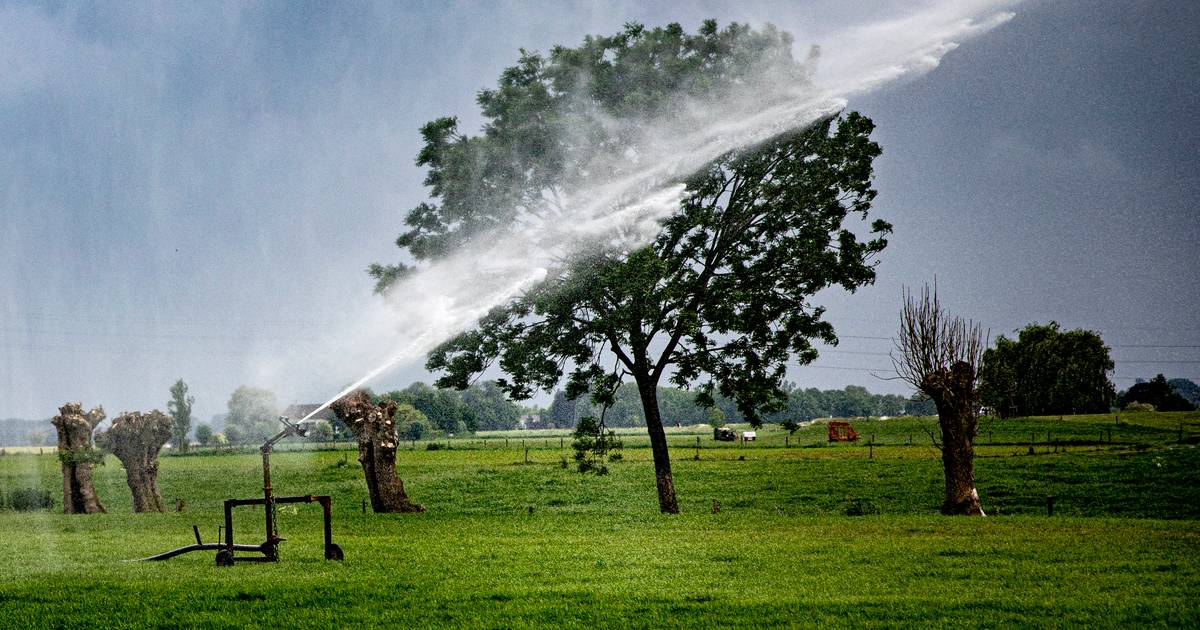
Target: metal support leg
[{"x": 225, "y": 556}]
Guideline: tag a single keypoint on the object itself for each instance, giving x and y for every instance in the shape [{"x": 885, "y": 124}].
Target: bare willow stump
[
  {"x": 952, "y": 390},
  {"x": 136, "y": 439},
  {"x": 77, "y": 455},
  {"x": 939, "y": 355},
  {"x": 375, "y": 429}
]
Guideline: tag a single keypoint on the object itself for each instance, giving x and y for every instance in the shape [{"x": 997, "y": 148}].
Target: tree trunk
[
  {"x": 75, "y": 452},
  {"x": 375, "y": 429},
  {"x": 136, "y": 440},
  {"x": 143, "y": 484},
  {"x": 648, "y": 392},
  {"x": 953, "y": 392}
]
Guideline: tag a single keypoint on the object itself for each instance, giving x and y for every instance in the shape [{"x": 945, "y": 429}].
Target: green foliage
[
  {"x": 563, "y": 412},
  {"x": 233, "y": 435},
  {"x": 180, "y": 408},
  {"x": 716, "y": 417},
  {"x": 85, "y": 455},
  {"x": 27, "y": 500},
  {"x": 411, "y": 424},
  {"x": 1186, "y": 388},
  {"x": 1047, "y": 371},
  {"x": 594, "y": 446},
  {"x": 490, "y": 408},
  {"x": 442, "y": 408},
  {"x": 321, "y": 431},
  {"x": 480, "y": 407},
  {"x": 655, "y": 297},
  {"x": 1158, "y": 393},
  {"x": 678, "y": 406},
  {"x": 920, "y": 405},
  {"x": 761, "y": 252},
  {"x": 253, "y": 416},
  {"x": 549, "y": 117},
  {"x": 415, "y": 430},
  {"x": 204, "y": 435},
  {"x": 1139, "y": 407}
]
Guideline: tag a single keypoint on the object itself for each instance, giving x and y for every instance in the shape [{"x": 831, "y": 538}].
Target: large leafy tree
[
  {"x": 443, "y": 408},
  {"x": 1159, "y": 392},
  {"x": 1186, "y": 388},
  {"x": 721, "y": 299},
  {"x": 491, "y": 409},
  {"x": 1047, "y": 371},
  {"x": 253, "y": 415}
]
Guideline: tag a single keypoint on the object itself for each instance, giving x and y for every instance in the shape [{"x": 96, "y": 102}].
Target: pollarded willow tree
[
  {"x": 375, "y": 428},
  {"x": 78, "y": 456},
  {"x": 720, "y": 299},
  {"x": 939, "y": 355},
  {"x": 136, "y": 439}
]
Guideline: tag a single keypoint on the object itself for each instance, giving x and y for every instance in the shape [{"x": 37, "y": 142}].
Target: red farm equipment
[{"x": 842, "y": 432}]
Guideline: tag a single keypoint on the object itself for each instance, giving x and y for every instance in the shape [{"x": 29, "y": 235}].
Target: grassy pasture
[{"x": 1121, "y": 550}]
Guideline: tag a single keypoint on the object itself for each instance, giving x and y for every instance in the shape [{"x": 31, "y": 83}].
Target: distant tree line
[
  {"x": 481, "y": 407},
  {"x": 679, "y": 406},
  {"x": 18, "y": 432},
  {"x": 253, "y": 412},
  {"x": 1184, "y": 387},
  {"x": 423, "y": 409}
]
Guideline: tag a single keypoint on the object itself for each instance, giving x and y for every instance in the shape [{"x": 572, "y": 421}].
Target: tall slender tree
[{"x": 180, "y": 407}]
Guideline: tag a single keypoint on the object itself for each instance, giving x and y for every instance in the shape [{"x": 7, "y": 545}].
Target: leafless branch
[{"x": 932, "y": 341}]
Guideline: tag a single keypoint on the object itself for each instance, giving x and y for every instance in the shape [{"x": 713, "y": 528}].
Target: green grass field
[{"x": 1122, "y": 548}]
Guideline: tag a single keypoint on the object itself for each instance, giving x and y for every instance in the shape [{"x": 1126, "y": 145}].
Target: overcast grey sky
[{"x": 189, "y": 188}]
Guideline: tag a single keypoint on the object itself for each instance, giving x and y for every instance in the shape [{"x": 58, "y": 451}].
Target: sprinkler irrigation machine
[{"x": 268, "y": 548}]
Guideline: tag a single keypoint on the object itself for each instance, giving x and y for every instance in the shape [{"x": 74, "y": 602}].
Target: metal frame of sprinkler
[{"x": 270, "y": 547}]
